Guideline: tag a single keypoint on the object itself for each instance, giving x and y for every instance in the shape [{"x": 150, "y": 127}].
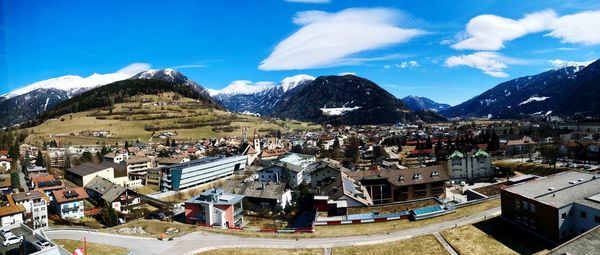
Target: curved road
[{"x": 202, "y": 241}]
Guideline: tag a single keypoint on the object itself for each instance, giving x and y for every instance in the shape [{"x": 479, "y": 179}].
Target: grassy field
[
  {"x": 154, "y": 227},
  {"x": 529, "y": 168},
  {"x": 132, "y": 120},
  {"x": 416, "y": 245},
  {"x": 264, "y": 251},
  {"x": 494, "y": 236},
  {"x": 369, "y": 228},
  {"x": 92, "y": 248}
]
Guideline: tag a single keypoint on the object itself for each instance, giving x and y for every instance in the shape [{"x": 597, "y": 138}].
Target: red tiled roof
[{"x": 423, "y": 151}]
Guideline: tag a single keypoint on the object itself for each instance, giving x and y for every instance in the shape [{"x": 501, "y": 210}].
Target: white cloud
[
  {"x": 491, "y": 63},
  {"x": 134, "y": 68},
  {"x": 406, "y": 64},
  {"x": 188, "y": 66},
  {"x": 563, "y": 63},
  {"x": 583, "y": 27},
  {"x": 330, "y": 39},
  {"x": 309, "y": 1},
  {"x": 347, "y": 73},
  {"x": 490, "y": 32},
  {"x": 387, "y": 66}
]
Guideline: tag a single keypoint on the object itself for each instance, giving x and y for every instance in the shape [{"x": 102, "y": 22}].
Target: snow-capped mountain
[
  {"x": 552, "y": 92},
  {"x": 260, "y": 97},
  {"x": 171, "y": 75},
  {"x": 28, "y": 102},
  {"x": 417, "y": 103}
]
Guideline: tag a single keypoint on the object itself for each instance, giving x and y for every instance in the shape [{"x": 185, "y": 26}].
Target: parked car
[
  {"x": 6, "y": 233},
  {"x": 10, "y": 240},
  {"x": 41, "y": 244}
]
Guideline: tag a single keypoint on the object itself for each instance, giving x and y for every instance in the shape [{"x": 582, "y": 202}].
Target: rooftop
[
  {"x": 216, "y": 196},
  {"x": 110, "y": 191},
  {"x": 255, "y": 189},
  {"x": 64, "y": 196},
  {"x": 560, "y": 189},
  {"x": 88, "y": 168}
]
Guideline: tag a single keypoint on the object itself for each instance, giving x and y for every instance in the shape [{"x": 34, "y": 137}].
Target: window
[
  {"x": 583, "y": 215},
  {"x": 525, "y": 205},
  {"x": 532, "y": 208},
  {"x": 597, "y": 218},
  {"x": 563, "y": 216},
  {"x": 517, "y": 205}
]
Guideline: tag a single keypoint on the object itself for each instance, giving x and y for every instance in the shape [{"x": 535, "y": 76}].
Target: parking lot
[{"x": 28, "y": 243}]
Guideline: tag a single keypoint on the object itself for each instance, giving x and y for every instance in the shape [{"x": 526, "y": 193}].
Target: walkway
[{"x": 196, "y": 242}]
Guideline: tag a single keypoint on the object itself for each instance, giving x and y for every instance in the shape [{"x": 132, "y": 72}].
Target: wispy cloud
[
  {"x": 563, "y": 63},
  {"x": 330, "y": 39},
  {"x": 134, "y": 68},
  {"x": 408, "y": 64},
  {"x": 188, "y": 66},
  {"x": 490, "y": 32}
]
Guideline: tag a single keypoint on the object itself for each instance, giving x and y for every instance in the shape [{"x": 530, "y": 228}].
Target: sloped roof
[
  {"x": 110, "y": 191},
  {"x": 456, "y": 154},
  {"x": 59, "y": 195},
  {"x": 255, "y": 189}
]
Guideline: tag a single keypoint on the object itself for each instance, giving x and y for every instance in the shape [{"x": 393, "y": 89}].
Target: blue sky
[{"x": 448, "y": 51}]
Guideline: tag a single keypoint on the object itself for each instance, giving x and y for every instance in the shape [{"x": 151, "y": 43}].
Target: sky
[{"x": 448, "y": 51}]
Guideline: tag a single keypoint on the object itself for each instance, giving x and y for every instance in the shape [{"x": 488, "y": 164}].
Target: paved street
[{"x": 202, "y": 241}]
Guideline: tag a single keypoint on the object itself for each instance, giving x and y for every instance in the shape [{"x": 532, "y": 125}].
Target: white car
[
  {"x": 41, "y": 244},
  {"x": 10, "y": 240},
  {"x": 6, "y": 233}
]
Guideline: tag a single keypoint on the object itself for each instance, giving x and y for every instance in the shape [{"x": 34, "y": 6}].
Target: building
[
  {"x": 11, "y": 215},
  {"x": 46, "y": 183},
  {"x": 118, "y": 197},
  {"x": 5, "y": 163},
  {"x": 276, "y": 172},
  {"x": 271, "y": 154},
  {"x": 69, "y": 204},
  {"x": 558, "y": 207},
  {"x": 344, "y": 191},
  {"x": 138, "y": 164},
  {"x": 84, "y": 173},
  {"x": 115, "y": 157},
  {"x": 36, "y": 170},
  {"x": 215, "y": 208},
  {"x": 199, "y": 171},
  {"x": 297, "y": 159},
  {"x": 36, "y": 204},
  {"x": 258, "y": 196},
  {"x": 521, "y": 146},
  {"x": 56, "y": 157},
  {"x": 477, "y": 166},
  {"x": 586, "y": 243},
  {"x": 393, "y": 185}
]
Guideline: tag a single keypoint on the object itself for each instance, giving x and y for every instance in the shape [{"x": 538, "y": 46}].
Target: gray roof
[
  {"x": 110, "y": 191},
  {"x": 215, "y": 196},
  {"x": 88, "y": 168},
  {"x": 561, "y": 189},
  {"x": 586, "y": 243},
  {"x": 255, "y": 189},
  {"x": 22, "y": 196}
]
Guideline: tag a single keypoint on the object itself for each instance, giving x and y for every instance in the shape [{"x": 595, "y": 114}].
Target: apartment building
[
  {"x": 35, "y": 203},
  {"x": 215, "y": 208},
  {"x": 470, "y": 166}
]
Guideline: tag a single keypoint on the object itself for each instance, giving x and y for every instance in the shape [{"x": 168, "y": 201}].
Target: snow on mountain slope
[{"x": 242, "y": 87}]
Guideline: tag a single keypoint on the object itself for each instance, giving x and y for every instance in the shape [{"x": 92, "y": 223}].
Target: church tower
[{"x": 256, "y": 142}]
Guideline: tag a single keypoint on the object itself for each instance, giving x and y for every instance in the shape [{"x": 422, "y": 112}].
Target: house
[
  {"x": 557, "y": 207},
  {"x": 84, "y": 173},
  {"x": 120, "y": 198},
  {"x": 257, "y": 195},
  {"x": 275, "y": 173},
  {"x": 246, "y": 149},
  {"x": 5, "y": 184},
  {"x": 393, "y": 185},
  {"x": 117, "y": 157},
  {"x": 476, "y": 166},
  {"x": 36, "y": 170},
  {"x": 521, "y": 146},
  {"x": 164, "y": 162},
  {"x": 322, "y": 171},
  {"x": 270, "y": 154},
  {"x": 297, "y": 159},
  {"x": 56, "y": 157},
  {"x": 69, "y": 204},
  {"x": 199, "y": 171},
  {"x": 11, "y": 215},
  {"x": 344, "y": 191},
  {"x": 46, "y": 183},
  {"x": 215, "y": 208},
  {"x": 36, "y": 204}
]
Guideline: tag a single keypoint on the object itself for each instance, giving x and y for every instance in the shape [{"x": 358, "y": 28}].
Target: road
[{"x": 196, "y": 242}]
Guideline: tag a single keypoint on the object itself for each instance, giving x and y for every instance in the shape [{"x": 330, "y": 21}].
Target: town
[{"x": 534, "y": 179}]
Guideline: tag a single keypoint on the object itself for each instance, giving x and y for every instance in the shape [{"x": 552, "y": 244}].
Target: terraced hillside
[{"x": 146, "y": 117}]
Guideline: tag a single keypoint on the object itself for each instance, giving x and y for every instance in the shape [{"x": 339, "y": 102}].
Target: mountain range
[
  {"x": 567, "y": 90},
  {"x": 338, "y": 99}
]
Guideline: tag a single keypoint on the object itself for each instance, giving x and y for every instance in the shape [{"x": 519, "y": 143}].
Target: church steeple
[{"x": 256, "y": 141}]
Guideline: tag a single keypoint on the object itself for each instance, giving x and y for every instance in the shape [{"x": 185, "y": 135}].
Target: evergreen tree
[
  {"x": 428, "y": 144},
  {"x": 109, "y": 216},
  {"x": 39, "y": 160}
]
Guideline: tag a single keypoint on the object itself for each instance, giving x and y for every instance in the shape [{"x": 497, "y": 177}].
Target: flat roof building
[
  {"x": 557, "y": 207},
  {"x": 215, "y": 208},
  {"x": 200, "y": 171}
]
